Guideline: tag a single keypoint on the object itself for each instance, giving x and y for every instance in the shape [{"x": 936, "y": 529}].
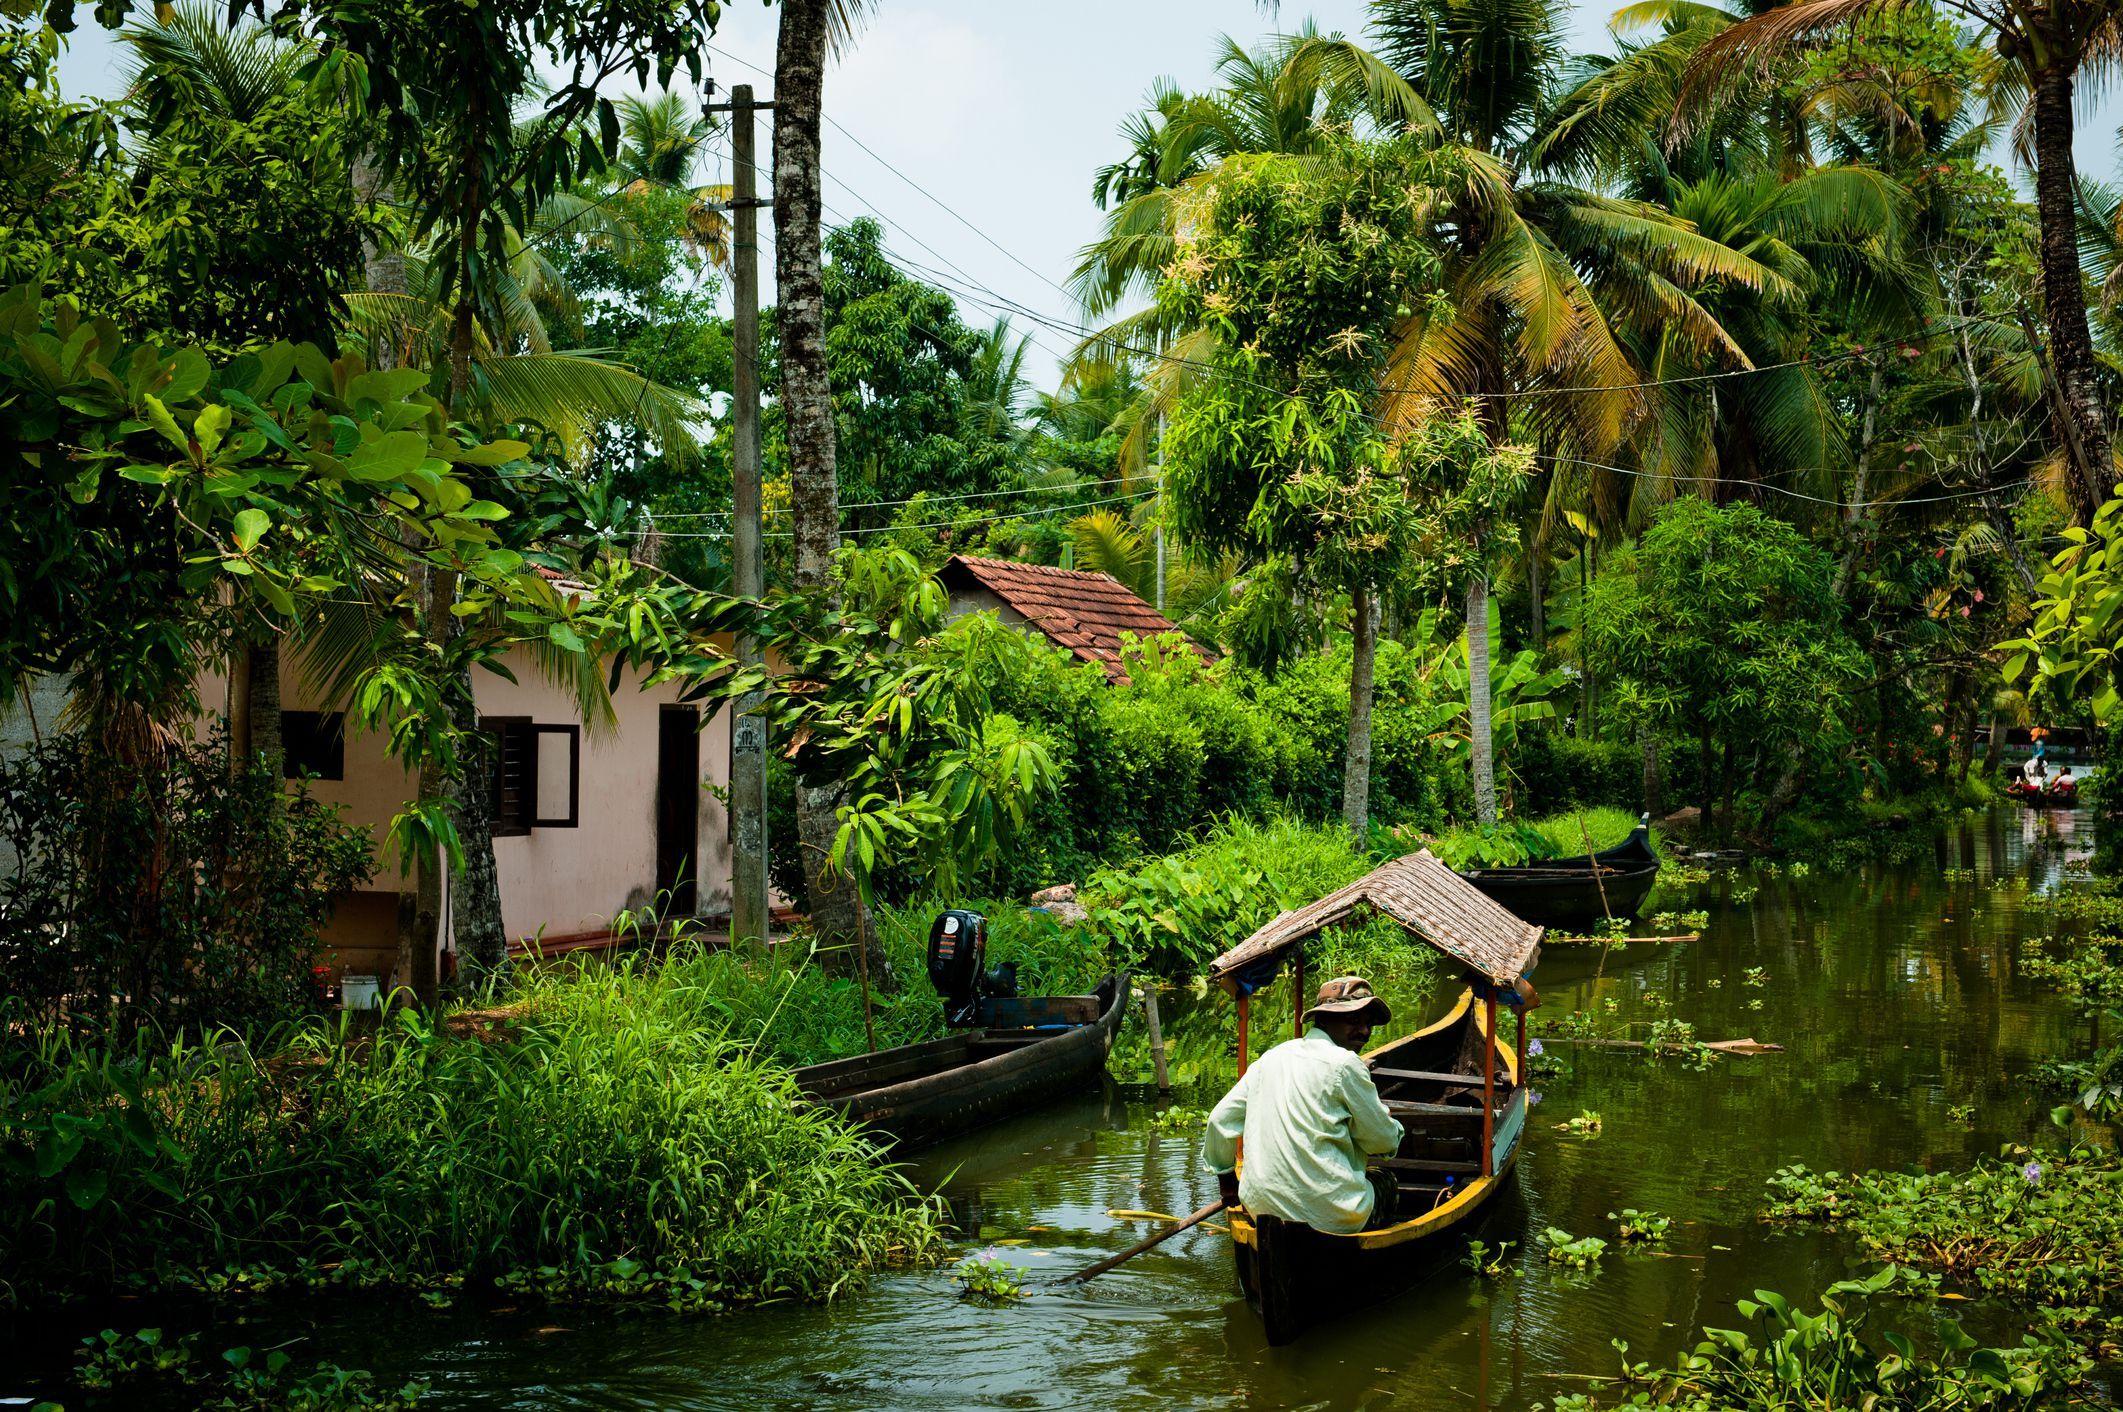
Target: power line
[
  {"x": 928, "y": 499},
  {"x": 1778, "y": 489},
  {"x": 930, "y": 524}
]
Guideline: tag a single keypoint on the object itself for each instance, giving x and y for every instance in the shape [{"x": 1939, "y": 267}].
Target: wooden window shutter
[{"x": 515, "y": 775}]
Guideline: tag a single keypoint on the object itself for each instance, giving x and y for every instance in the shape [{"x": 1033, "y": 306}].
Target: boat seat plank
[
  {"x": 1425, "y": 1164},
  {"x": 1402, "y": 1109},
  {"x": 1425, "y": 1076}
]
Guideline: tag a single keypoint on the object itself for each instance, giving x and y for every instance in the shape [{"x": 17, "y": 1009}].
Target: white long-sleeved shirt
[{"x": 1310, "y": 1114}]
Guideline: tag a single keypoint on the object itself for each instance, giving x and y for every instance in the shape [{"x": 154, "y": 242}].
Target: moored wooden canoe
[
  {"x": 1575, "y": 892},
  {"x": 1031, "y": 1050}
]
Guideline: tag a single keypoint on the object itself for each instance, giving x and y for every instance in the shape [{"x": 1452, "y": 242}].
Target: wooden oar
[{"x": 1092, "y": 1272}]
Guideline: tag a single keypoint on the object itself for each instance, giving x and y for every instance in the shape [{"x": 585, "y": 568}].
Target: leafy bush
[
  {"x": 1558, "y": 771},
  {"x": 1175, "y": 914},
  {"x": 609, "y": 1132},
  {"x": 179, "y": 896}
]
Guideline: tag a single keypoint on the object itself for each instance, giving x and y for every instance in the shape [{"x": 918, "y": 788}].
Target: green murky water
[{"x": 1893, "y": 991}]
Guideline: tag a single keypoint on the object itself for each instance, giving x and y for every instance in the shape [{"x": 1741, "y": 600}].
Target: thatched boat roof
[{"x": 1431, "y": 901}]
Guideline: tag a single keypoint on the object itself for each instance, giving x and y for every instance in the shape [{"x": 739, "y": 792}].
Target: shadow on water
[{"x": 1891, "y": 988}]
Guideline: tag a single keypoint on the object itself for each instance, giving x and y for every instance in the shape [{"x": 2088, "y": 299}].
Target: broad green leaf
[
  {"x": 493, "y": 453},
  {"x": 251, "y": 526},
  {"x": 386, "y": 385},
  {"x": 388, "y": 457}
]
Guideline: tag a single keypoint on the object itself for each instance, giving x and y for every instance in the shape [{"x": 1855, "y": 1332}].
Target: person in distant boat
[
  {"x": 1310, "y": 1116},
  {"x": 2034, "y": 774},
  {"x": 2064, "y": 783}
]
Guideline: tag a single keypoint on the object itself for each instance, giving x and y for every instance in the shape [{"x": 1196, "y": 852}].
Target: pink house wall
[{"x": 556, "y": 882}]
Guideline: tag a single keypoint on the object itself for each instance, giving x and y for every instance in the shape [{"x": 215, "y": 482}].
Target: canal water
[{"x": 1908, "y": 1040}]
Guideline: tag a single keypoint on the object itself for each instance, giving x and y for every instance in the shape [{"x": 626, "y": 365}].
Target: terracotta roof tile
[{"x": 1083, "y": 612}]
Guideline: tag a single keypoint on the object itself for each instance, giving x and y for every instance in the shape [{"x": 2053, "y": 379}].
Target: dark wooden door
[{"x": 678, "y": 808}]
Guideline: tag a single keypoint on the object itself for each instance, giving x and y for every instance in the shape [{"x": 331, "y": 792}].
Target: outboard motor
[{"x": 958, "y": 948}]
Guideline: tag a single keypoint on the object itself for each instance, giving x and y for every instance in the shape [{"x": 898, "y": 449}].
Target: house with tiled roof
[{"x": 1083, "y": 613}]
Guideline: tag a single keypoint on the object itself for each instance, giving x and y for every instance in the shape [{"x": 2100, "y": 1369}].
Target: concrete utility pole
[{"x": 748, "y": 729}]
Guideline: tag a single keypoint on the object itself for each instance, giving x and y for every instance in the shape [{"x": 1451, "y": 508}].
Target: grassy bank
[{"x": 614, "y": 1134}]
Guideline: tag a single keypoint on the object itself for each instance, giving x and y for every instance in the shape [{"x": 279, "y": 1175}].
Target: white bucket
[{"x": 358, "y": 992}]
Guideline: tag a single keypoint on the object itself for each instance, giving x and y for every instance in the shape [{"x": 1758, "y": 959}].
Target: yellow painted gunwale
[{"x": 1438, "y": 1217}]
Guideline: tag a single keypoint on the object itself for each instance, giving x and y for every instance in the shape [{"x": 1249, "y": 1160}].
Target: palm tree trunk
[
  {"x": 1478, "y": 740},
  {"x": 807, "y": 410},
  {"x": 2071, "y": 349},
  {"x": 1356, "y": 761}
]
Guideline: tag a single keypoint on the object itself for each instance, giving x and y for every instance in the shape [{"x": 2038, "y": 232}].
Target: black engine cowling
[{"x": 958, "y": 949}]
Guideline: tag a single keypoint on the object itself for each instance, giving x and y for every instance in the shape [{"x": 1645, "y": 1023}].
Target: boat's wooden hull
[
  {"x": 1296, "y": 1277},
  {"x": 919, "y": 1094},
  {"x": 1564, "y": 892},
  {"x": 2043, "y": 799}
]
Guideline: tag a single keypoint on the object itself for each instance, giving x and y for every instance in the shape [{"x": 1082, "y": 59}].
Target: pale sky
[{"x": 1003, "y": 109}]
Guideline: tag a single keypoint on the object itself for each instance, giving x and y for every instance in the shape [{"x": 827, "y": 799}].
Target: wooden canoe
[
  {"x": 1564, "y": 892},
  {"x": 1027, "y": 1051},
  {"x": 1295, "y": 1276}
]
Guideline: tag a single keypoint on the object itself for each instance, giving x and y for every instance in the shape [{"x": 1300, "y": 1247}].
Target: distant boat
[
  {"x": 1455, "y": 1087},
  {"x": 2042, "y": 797},
  {"x": 1576, "y": 892},
  {"x": 1009, "y": 1053}
]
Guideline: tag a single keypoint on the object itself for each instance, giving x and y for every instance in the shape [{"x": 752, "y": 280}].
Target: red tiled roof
[{"x": 1084, "y": 612}]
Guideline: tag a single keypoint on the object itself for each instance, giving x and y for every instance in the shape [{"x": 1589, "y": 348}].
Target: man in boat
[
  {"x": 1310, "y": 1115},
  {"x": 2064, "y": 784}
]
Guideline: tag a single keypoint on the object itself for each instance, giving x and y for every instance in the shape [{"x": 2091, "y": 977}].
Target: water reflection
[{"x": 1892, "y": 989}]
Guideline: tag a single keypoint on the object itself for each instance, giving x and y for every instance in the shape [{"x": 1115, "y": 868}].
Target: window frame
[{"x": 573, "y": 817}]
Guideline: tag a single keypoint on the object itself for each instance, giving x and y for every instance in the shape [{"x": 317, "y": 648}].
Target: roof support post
[
  {"x": 1297, "y": 996},
  {"x": 1245, "y": 1007},
  {"x": 1489, "y": 1085}
]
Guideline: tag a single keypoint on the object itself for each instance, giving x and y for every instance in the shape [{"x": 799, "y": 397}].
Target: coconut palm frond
[
  {"x": 1108, "y": 544},
  {"x": 572, "y": 394}
]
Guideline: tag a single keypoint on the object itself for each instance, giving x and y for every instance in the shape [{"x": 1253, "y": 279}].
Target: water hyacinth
[
  {"x": 1534, "y": 1049},
  {"x": 2032, "y": 1172}
]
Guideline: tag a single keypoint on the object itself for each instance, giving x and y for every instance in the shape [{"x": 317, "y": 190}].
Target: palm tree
[
  {"x": 2046, "y": 46},
  {"x": 1551, "y": 284},
  {"x": 809, "y": 28},
  {"x": 660, "y": 145}
]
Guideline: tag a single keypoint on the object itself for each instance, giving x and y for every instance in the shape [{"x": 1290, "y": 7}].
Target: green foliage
[
  {"x": 931, "y": 778},
  {"x": 1796, "y": 1359},
  {"x": 217, "y": 922},
  {"x": 1640, "y": 1227},
  {"x": 987, "y": 1279},
  {"x": 610, "y": 1136},
  {"x": 2072, "y": 642},
  {"x": 1490, "y": 1262},
  {"x": 148, "y": 1362},
  {"x": 1726, "y": 626},
  {"x": 1578, "y": 1252},
  {"x": 907, "y": 386},
  {"x": 1557, "y": 771},
  {"x": 1175, "y": 914},
  {"x": 2041, "y": 1226}
]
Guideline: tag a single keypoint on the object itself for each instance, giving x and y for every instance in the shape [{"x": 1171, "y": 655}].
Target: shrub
[
  {"x": 1173, "y": 915},
  {"x": 607, "y": 1134},
  {"x": 1559, "y": 771},
  {"x": 179, "y": 896}
]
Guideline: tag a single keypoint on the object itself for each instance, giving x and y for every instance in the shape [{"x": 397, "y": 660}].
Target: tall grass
[{"x": 615, "y": 1132}]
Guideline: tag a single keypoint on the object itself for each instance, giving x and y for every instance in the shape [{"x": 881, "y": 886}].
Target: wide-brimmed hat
[{"x": 1347, "y": 996}]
